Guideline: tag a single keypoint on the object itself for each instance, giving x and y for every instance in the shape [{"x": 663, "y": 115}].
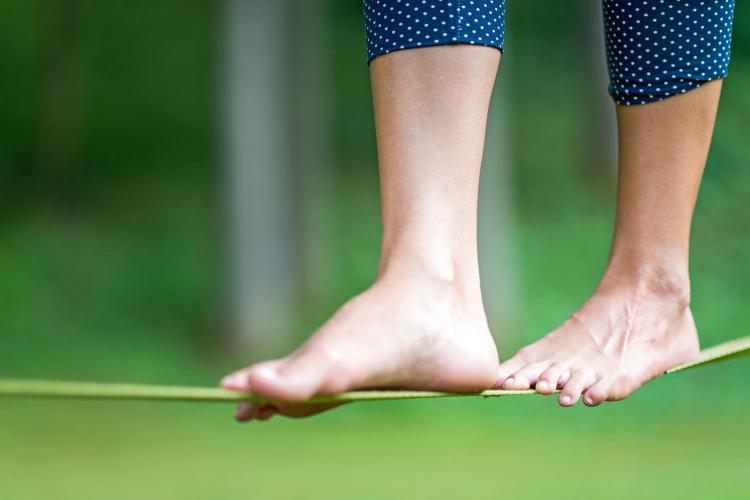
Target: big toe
[
  {"x": 239, "y": 380},
  {"x": 294, "y": 380}
]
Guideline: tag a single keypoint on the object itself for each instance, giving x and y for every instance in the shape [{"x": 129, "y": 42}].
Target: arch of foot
[
  {"x": 392, "y": 25},
  {"x": 660, "y": 48}
]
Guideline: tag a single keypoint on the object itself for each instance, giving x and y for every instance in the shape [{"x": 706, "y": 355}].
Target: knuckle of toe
[{"x": 598, "y": 395}]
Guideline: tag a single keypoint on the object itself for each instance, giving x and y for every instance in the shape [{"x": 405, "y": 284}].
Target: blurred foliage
[
  {"x": 129, "y": 240},
  {"x": 144, "y": 80}
]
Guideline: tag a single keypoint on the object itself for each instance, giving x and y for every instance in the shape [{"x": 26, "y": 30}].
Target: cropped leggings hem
[
  {"x": 392, "y": 25},
  {"x": 655, "y": 48},
  {"x": 433, "y": 43}
]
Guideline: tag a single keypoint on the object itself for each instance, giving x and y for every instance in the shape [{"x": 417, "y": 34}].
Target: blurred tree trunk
[
  {"x": 59, "y": 114},
  {"x": 258, "y": 168},
  {"x": 274, "y": 136}
]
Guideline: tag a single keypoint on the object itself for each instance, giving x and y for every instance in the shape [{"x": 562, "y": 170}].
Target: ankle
[
  {"x": 669, "y": 282},
  {"x": 450, "y": 274}
]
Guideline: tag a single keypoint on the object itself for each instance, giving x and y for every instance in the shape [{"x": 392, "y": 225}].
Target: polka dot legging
[{"x": 655, "y": 48}]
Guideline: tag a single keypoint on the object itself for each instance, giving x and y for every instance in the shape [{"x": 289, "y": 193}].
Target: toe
[
  {"x": 266, "y": 412},
  {"x": 622, "y": 387},
  {"x": 295, "y": 380},
  {"x": 506, "y": 369},
  {"x": 246, "y": 412},
  {"x": 613, "y": 388},
  {"x": 240, "y": 380},
  {"x": 526, "y": 377},
  {"x": 579, "y": 381},
  {"x": 548, "y": 380},
  {"x": 598, "y": 393},
  {"x": 563, "y": 378}
]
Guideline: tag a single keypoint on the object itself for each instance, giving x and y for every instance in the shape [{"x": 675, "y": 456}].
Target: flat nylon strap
[{"x": 93, "y": 390}]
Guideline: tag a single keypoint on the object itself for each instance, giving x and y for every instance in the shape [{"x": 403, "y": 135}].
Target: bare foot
[
  {"x": 622, "y": 337},
  {"x": 403, "y": 332}
]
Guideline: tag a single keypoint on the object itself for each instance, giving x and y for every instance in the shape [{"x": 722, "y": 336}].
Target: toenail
[
  {"x": 566, "y": 399},
  {"x": 510, "y": 381},
  {"x": 542, "y": 385},
  {"x": 588, "y": 400}
]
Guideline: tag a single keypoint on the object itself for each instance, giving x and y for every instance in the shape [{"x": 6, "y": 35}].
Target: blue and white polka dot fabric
[
  {"x": 659, "y": 48},
  {"x": 655, "y": 48},
  {"x": 404, "y": 24}
]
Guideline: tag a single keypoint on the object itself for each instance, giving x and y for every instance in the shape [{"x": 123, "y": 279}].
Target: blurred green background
[{"x": 116, "y": 263}]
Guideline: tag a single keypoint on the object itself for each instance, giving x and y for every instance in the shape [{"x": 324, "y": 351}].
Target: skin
[
  {"x": 638, "y": 322},
  {"x": 421, "y": 325}
]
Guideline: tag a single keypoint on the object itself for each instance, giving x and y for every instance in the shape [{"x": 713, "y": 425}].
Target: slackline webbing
[{"x": 94, "y": 390}]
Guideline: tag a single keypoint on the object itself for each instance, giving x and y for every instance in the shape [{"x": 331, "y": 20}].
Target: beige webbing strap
[{"x": 93, "y": 390}]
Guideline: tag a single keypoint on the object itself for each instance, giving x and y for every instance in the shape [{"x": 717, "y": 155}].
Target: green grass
[{"x": 655, "y": 446}]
